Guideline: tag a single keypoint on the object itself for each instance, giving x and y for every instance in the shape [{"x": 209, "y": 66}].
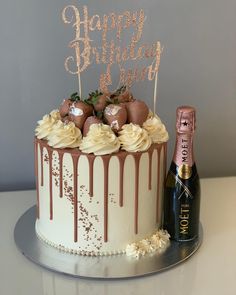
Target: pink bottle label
[
  {"x": 184, "y": 150},
  {"x": 185, "y": 127}
]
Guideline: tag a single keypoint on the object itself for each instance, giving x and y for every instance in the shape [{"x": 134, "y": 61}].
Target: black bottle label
[{"x": 182, "y": 203}]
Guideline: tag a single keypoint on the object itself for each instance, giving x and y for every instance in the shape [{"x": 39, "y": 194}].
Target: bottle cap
[{"x": 185, "y": 119}]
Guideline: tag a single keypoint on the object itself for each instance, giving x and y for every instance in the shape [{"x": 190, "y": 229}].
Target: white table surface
[{"x": 212, "y": 270}]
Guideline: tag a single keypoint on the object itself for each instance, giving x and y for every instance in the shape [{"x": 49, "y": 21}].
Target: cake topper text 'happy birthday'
[{"x": 111, "y": 52}]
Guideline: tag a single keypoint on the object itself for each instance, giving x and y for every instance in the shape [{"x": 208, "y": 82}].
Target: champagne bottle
[{"x": 182, "y": 188}]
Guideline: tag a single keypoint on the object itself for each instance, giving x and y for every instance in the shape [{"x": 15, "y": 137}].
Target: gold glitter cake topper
[{"x": 111, "y": 52}]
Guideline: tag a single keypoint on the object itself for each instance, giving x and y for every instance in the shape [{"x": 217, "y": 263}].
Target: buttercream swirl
[
  {"x": 45, "y": 125},
  {"x": 150, "y": 114},
  {"x": 100, "y": 140},
  {"x": 156, "y": 129},
  {"x": 157, "y": 242},
  {"x": 64, "y": 135},
  {"x": 133, "y": 138}
]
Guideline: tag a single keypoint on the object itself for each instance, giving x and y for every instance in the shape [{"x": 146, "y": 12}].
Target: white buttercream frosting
[
  {"x": 156, "y": 129},
  {"x": 100, "y": 140},
  {"x": 45, "y": 125},
  {"x": 150, "y": 114},
  {"x": 133, "y": 138},
  {"x": 64, "y": 135},
  {"x": 75, "y": 251},
  {"x": 158, "y": 241}
]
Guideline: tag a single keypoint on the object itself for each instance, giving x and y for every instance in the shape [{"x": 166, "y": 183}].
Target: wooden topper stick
[
  {"x": 80, "y": 86},
  {"x": 155, "y": 93}
]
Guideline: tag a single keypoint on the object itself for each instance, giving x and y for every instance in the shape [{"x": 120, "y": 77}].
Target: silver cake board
[{"x": 102, "y": 267}]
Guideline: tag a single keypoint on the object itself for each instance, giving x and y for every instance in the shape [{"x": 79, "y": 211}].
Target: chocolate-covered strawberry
[
  {"x": 67, "y": 103},
  {"x": 65, "y": 119},
  {"x": 116, "y": 116},
  {"x": 125, "y": 97},
  {"x": 102, "y": 102},
  {"x": 137, "y": 112},
  {"x": 122, "y": 95},
  {"x": 65, "y": 107},
  {"x": 90, "y": 121},
  {"x": 79, "y": 112},
  {"x": 99, "y": 100}
]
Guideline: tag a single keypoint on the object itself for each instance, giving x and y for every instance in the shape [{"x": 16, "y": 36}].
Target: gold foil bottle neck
[{"x": 185, "y": 119}]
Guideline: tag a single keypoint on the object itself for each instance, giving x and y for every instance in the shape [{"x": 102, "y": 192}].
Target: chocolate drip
[
  {"x": 121, "y": 157},
  {"x": 49, "y": 150},
  {"x": 75, "y": 158},
  {"x": 106, "y": 161},
  {"x": 150, "y": 153},
  {"x": 91, "y": 159},
  {"x": 36, "y": 173},
  {"x": 137, "y": 157},
  {"x": 61, "y": 154},
  {"x": 165, "y": 159},
  {"x": 75, "y": 153},
  {"x": 159, "y": 148},
  {"x": 41, "y": 162}
]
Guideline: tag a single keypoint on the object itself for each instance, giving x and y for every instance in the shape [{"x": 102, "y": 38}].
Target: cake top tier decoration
[
  {"x": 111, "y": 53},
  {"x": 109, "y": 118}
]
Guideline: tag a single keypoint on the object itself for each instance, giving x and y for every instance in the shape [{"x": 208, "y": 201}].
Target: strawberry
[
  {"x": 122, "y": 95},
  {"x": 66, "y": 104},
  {"x": 125, "y": 97},
  {"x": 137, "y": 111},
  {"x": 65, "y": 119},
  {"x": 101, "y": 103},
  {"x": 79, "y": 112},
  {"x": 99, "y": 100},
  {"x": 116, "y": 116},
  {"x": 90, "y": 121},
  {"x": 65, "y": 107}
]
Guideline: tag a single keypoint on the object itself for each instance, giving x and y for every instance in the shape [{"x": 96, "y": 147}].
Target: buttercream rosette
[
  {"x": 64, "y": 135},
  {"x": 46, "y": 124},
  {"x": 133, "y": 138},
  {"x": 159, "y": 241},
  {"x": 100, "y": 140},
  {"x": 156, "y": 129}
]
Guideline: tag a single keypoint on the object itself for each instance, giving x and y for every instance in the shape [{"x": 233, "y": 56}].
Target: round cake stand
[{"x": 103, "y": 267}]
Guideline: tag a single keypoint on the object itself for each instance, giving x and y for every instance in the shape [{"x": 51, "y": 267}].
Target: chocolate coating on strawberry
[
  {"x": 137, "y": 112},
  {"x": 65, "y": 119},
  {"x": 90, "y": 121},
  {"x": 65, "y": 107},
  {"x": 116, "y": 116},
  {"x": 126, "y": 96},
  {"x": 79, "y": 112},
  {"x": 102, "y": 102},
  {"x": 122, "y": 95},
  {"x": 98, "y": 100},
  {"x": 67, "y": 103}
]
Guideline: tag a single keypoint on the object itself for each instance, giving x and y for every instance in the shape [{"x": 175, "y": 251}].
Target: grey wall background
[{"x": 198, "y": 67}]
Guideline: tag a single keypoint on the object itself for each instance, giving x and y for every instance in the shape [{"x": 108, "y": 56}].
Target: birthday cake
[
  {"x": 100, "y": 167},
  {"x": 101, "y": 161}
]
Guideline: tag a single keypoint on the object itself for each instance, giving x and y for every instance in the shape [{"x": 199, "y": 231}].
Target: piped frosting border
[{"x": 135, "y": 250}]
